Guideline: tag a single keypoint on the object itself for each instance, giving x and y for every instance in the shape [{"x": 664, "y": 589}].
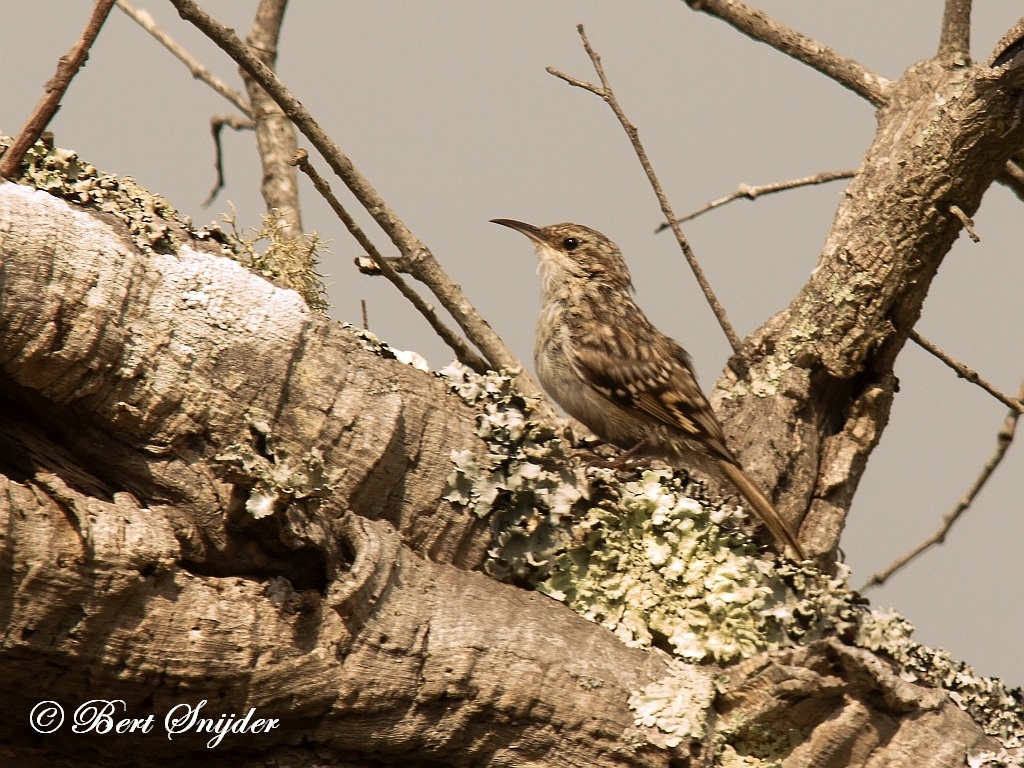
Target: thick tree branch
[
  {"x": 239, "y": 347},
  {"x": 820, "y": 384},
  {"x": 606, "y": 93},
  {"x": 67, "y": 68},
  {"x": 826, "y": 60},
  {"x": 133, "y": 566},
  {"x": 423, "y": 265},
  {"x": 955, "y": 41}
]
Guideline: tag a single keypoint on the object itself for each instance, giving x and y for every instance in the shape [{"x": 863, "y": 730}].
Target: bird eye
[{"x": 571, "y": 243}]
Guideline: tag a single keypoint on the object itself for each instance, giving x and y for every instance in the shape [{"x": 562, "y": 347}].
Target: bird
[{"x": 600, "y": 358}]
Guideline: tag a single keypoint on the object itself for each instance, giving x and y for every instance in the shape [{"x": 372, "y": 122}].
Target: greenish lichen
[
  {"x": 286, "y": 261},
  {"x": 649, "y": 555},
  {"x": 155, "y": 226},
  {"x": 529, "y": 487},
  {"x": 660, "y": 567},
  {"x": 994, "y": 706},
  {"x": 274, "y": 476}
]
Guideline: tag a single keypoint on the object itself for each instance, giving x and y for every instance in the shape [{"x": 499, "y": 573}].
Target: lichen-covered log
[
  {"x": 210, "y": 493},
  {"x": 152, "y": 364}
]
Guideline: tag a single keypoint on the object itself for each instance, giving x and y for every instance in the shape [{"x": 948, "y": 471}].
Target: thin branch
[
  {"x": 275, "y": 134},
  {"x": 1003, "y": 440},
  {"x": 462, "y": 351},
  {"x": 608, "y": 96},
  {"x": 217, "y": 123},
  {"x": 966, "y": 373},
  {"x": 1012, "y": 175},
  {"x": 965, "y": 221},
  {"x": 67, "y": 68},
  {"x": 955, "y": 40},
  {"x": 752, "y": 193},
  {"x": 844, "y": 70},
  {"x": 144, "y": 20},
  {"x": 424, "y": 265}
]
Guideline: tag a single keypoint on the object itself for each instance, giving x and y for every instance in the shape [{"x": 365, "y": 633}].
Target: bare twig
[
  {"x": 955, "y": 41},
  {"x": 217, "y": 123},
  {"x": 424, "y": 266},
  {"x": 752, "y": 193},
  {"x": 608, "y": 96},
  {"x": 1013, "y": 175},
  {"x": 144, "y": 20},
  {"x": 368, "y": 266},
  {"x": 966, "y": 373},
  {"x": 965, "y": 221},
  {"x": 67, "y": 68},
  {"x": 1003, "y": 440},
  {"x": 275, "y": 134},
  {"x": 366, "y": 320},
  {"x": 826, "y": 60},
  {"x": 462, "y": 351}
]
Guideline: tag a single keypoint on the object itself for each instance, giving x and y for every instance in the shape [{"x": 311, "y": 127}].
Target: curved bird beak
[{"x": 529, "y": 230}]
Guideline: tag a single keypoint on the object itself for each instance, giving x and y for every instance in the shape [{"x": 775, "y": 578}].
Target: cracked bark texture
[
  {"x": 816, "y": 396},
  {"x": 129, "y": 568}
]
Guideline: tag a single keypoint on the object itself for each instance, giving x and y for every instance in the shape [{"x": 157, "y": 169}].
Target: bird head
[{"x": 580, "y": 251}]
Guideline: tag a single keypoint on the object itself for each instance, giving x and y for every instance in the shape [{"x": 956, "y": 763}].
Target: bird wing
[{"x": 658, "y": 381}]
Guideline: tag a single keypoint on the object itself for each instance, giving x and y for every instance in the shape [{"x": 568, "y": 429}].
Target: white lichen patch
[
  {"x": 528, "y": 485},
  {"x": 675, "y": 706},
  {"x": 662, "y": 568},
  {"x": 154, "y": 226}
]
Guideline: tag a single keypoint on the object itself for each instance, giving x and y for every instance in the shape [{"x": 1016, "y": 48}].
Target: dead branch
[
  {"x": 966, "y": 373},
  {"x": 462, "y": 351},
  {"x": 217, "y": 123},
  {"x": 425, "y": 267},
  {"x": 763, "y": 28},
  {"x": 144, "y": 20},
  {"x": 752, "y": 193},
  {"x": 1003, "y": 440},
  {"x": 67, "y": 68},
  {"x": 606, "y": 93}
]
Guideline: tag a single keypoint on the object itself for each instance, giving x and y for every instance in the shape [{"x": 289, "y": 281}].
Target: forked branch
[
  {"x": 605, "y": 92},
  {"x": 762, "y": 27}
]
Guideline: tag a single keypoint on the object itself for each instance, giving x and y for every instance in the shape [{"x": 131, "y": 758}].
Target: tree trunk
[{"x": 213, "y": 494}]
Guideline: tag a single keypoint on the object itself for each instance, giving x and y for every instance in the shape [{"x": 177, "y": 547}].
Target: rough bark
[
  {"x": 820, "y": 384},
  {"x": 130, "y": 568}
]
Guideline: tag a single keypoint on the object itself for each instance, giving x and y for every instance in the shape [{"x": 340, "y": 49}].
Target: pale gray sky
[{"x": 445, "y": 106}]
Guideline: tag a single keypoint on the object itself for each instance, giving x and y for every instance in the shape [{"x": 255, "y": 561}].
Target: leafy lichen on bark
[
  {"x": 652, "y": 557},
  {"x": 155, "y": 226}
]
